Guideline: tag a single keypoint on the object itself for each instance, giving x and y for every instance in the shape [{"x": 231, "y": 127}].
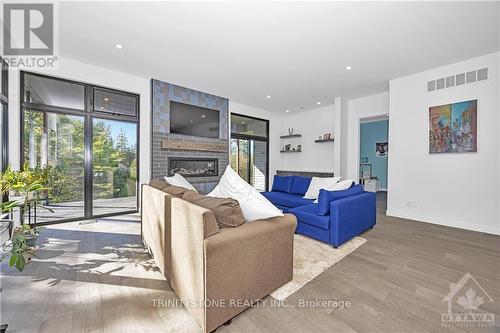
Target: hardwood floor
[{"x": 97, "y": 278}]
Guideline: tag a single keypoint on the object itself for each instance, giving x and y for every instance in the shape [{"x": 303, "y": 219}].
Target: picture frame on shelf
[
  {"x": 299, "y": 147},
  {"x": 327, "y": 136},
  {"x": 287, "y": 147}
]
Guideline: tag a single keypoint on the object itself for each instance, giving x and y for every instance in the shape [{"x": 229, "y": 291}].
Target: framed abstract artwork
[{"x": 453, "y": 128}]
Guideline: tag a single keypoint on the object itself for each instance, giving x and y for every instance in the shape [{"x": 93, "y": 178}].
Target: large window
[
  {"x": 87, "y": 138},
  {"x": 249, "y": 151}
]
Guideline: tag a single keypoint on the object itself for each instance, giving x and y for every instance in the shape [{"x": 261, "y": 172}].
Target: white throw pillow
[
  {"x": 317, "y": 184},
  {"x": 340, "y": 186},
  {"x": 178, "y": 180},
  {"x": 253, "y": 204}
]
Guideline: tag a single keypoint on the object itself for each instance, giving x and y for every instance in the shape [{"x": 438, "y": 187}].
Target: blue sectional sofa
[{"x": 336, "y": 218}]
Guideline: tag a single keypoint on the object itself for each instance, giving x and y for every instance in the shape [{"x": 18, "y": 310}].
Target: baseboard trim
[{"x": 443, "y": 222}]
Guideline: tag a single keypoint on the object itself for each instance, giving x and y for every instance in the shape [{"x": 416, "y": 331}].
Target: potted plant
[
  {"x": 20, "y": 249},
  {"x": 23, "y": 188}
]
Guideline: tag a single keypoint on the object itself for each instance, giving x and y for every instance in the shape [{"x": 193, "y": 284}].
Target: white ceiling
[{"x": 294, "y": 51}]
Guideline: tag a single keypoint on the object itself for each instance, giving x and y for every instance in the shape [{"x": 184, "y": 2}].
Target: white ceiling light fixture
[
  {"x": 287, "y": 111},
  {"x": 106, "y": 99},
  {"x": 119, "y": 46},
  {"x": 348, "y": 68},
  {"x": 268, "y": 96},
  {"x": 318, "y": 103}
]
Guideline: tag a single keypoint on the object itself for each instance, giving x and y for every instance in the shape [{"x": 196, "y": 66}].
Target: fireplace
[{"x": 193, "y": 167}]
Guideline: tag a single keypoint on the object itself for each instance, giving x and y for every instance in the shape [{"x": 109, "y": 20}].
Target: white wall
[
  {"x": 275, "y": 120},
  {"x": 344, "y": 119},
  {"x": 365, "y": 107},
  {"x": 458, "y": 190},
  {"x": 311, "y": 124},
  {"x": 78, "y": 71}
]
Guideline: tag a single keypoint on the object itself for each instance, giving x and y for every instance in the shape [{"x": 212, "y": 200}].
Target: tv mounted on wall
[{"x": 193, "y": 120}]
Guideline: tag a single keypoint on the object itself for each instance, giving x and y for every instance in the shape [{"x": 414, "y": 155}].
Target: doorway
[{"x": 374, "y": 153}]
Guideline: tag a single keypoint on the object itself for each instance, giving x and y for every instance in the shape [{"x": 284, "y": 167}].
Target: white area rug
[{"x": 311, "y": 258}]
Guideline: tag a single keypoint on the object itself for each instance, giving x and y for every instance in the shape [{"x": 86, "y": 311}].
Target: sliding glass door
[
  {"x": 249, "y": 150},
  {"x": 114, "y": 175},
  {"x": 86, "y": 138},
  {"x": 56, "y": 141}
]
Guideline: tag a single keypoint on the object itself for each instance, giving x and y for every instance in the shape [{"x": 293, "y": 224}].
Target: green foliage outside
[{"x": 62, "y": 138}]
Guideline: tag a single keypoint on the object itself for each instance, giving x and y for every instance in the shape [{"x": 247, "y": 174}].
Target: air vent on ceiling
[{"x": 458, "y": 79}]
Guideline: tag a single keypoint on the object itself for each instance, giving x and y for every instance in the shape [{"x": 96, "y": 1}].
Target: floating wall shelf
[
  {"x": 324, "y": 140},
  {"x": 289, "y": 136},
  {"x": 290, "y": 151}
]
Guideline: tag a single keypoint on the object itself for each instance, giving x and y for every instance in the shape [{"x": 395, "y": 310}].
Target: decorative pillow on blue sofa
[
  {"x": 325, "y": 197},
  {"x": 300, "y": 185},
  {"x": 282, "y": 183}
]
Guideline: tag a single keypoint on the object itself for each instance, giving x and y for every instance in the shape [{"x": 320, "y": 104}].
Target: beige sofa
[{"x": 216, "y": 272}]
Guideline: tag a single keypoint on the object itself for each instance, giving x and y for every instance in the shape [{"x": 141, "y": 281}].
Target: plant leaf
[
  {"x": 20, "y": 262},
  {"x": 13, "y": 259}
]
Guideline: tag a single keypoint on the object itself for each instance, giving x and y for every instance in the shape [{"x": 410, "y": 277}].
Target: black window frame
[
  {"x": 253, "y": 137},
  {"x": 4, "y": 114},
  {"x": 4, "y": 100},
  {"x": 89, "y": 114}
]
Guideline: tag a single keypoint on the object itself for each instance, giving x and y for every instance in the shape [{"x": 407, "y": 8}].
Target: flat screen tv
[{"x": 193, "y": 120}]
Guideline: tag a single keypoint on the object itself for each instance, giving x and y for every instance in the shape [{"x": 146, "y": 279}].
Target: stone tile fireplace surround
[{"x": 166, "y": 146}]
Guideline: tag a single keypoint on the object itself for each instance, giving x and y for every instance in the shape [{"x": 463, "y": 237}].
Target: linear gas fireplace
[{"x": 193, "y": 167}]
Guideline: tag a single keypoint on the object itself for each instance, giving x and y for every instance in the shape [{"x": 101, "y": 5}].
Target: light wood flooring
[{"x": 98, "y": 278}]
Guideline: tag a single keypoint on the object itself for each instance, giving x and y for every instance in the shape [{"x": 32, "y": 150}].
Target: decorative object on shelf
[
  {"x": 364, "y": 160},
  {"x": 453, "y": 128},
  {"x": 320, "y": 137},
  {"x": 290, "y": 130},
  {"x": 326, "y": 136},
  {"x": 381, "y": 149},
  {"x": 299, "y": 147},
  {"x": 287, "y": 147}
]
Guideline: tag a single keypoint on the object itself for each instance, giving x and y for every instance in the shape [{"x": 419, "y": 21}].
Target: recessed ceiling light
[
  {"x": 348, "y": 68},
  {"x": 203, "y": 116},
  {"x": 287, "y": 111},
  {"x": 106, "y": 99},
  {"x": 268, "y": 96},
  {"x": 102, "y": 108},
  {"x": 318, "y": 103},
  {"x": 243, "y": 122},
  {"x": 119, "y": 46}
]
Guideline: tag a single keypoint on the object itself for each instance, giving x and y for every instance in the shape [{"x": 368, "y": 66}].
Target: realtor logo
[
  {"x": 28, "y": 29},
  {"x": 464, "y": 305},
  {"x": 29, "y": 35}
]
